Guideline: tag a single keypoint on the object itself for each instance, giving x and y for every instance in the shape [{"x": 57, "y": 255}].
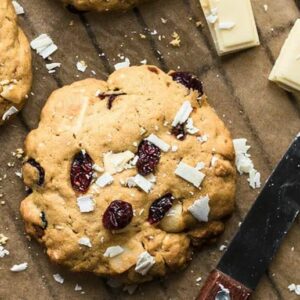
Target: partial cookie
[
  {"x": 15, "y": 63},
  {"x": 102, "y": 5},
  {"x": 127, "y": 175}
]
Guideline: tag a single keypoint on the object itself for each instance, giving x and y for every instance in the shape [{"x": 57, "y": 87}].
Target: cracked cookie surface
[
  {"x": 93, "y": 208},
  {"x": 102, "y": 5},
  {"x": 15, "y": 63}
]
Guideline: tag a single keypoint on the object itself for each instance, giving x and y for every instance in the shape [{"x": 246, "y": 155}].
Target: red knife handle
[{"x": 219, "y": 283}]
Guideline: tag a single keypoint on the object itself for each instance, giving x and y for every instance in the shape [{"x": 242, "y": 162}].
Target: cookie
[
  {"x": 15, "y": 63},
  {"x": 128, "y": 175},
  {"x": 101, "y": 5}
]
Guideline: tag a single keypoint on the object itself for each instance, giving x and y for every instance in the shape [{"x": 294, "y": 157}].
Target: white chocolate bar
[
  {"x": 231, "y": 23},
  {"x": 286, "y": 71}
]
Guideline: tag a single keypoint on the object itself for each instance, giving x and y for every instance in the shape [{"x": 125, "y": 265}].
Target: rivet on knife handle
[{"x": 219, "y": 286}]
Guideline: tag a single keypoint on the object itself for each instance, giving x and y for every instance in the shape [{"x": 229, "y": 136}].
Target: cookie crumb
[
  {"x": 3, "y": 239},
  {"x": 176, "y": 40}
]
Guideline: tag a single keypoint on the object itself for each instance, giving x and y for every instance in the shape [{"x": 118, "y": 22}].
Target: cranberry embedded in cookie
[
  {"x": 118, "y": 215},
  {"x": 188, "y": 80},
  {"x": 179, "y": 131},
  {"x": 148, "y": 157},
  {"x": 160, "y": 207},
  {"x": 81, "y": 172}
]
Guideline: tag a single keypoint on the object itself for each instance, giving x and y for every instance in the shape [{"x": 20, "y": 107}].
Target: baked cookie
[
  {"x": 127, "y": 175},
  {"x": 15, "y": 63},
  {"x": 102, "y": 5}
]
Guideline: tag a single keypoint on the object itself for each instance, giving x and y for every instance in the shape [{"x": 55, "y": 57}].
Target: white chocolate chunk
[
  {"x": 189, "y": 174},
  {"x": 200, "y": 209},
  {"x": 254, "y": 179},
  {"x": 183, "y": 113},
  {"x": 53, "y": 66},
  {"x": 85, "y": 203},
  {"x": 142, "y": 183},
  {"x": 81, "y": 66},
  {"x": 244, "y": 163},
  {"x": 20, "y": 267},
  {"x": 43, "y": 45},
  {"x": 113, "y": 251},
  {"x": 124, "y": 64},
  {"x": 58, "y": 278},
  {"x": 190, "y": 128},
  {"x": 3, "y": 252},
  {"x": 18, "y": 8},
  {"x": 231, "y": 23},
  {"x": 85, "y": 241},
  {"x": 104, "y": 180},
  {"x": 116, "y": 162},
  {"x": 11, "y": 111},
  {"x": 98, "y": 168},
  {"x": 144, "y": 263},
  {"x": 286, "y": 69},
  {"x": 77, "y": 288},
  {"x": 152, "y": 138}
]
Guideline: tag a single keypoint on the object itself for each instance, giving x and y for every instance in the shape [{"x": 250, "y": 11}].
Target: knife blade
[{"x": 253, "y": 247}]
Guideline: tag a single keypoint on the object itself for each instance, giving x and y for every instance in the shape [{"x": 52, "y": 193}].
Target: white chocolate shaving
[
  {"x": 152, "y": 138},
  {"x": 142, "y": 183},
  {"x": 20, "y": 267},
  {"x": 18, "y": 8},
  {"x": 11, "y": 111},
  {"x": 113, "y": 251},
  {"x": 104, "y": 180},
  {"x": 183, "y": 113},
  {"x": 116, "y": 162},
  {"x": 85, "y": 241},
  {"x": 43, "y": 45},
  {"x": 144, "y": 263},
  {"x": 200, "y": 209},
  {"x": 85, "y": 203},
  {"x": 190, "y": 174}
]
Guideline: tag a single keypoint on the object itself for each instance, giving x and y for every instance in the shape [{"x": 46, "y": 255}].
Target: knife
[{"x": 259, "y": 237}]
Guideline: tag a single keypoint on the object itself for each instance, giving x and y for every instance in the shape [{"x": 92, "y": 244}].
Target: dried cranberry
[
  {"x": 40, "y": 169},
  {"x": 149, "y": 156},
  {"x": 81, "y": 172},
  {"x": 111, "y": 98},
  {"x": 179, "y": 131},
  {"x": 160, "y": 207},
  {"x": 188, "y": 80},
  {"x": 118, "y": 215}
]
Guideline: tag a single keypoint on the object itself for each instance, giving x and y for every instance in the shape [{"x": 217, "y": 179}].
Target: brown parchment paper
[{"x": 237, "y": 87}]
